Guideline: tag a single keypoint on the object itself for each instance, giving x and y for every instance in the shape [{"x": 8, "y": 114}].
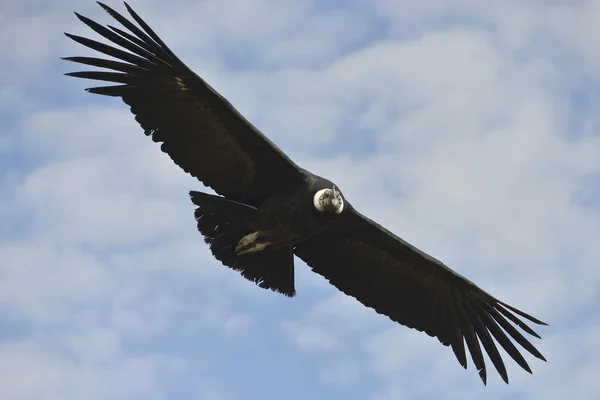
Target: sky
[{"x": 471, "y": 129}]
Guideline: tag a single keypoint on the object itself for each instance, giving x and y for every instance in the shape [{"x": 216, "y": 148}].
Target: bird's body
[
  {"x": 259, "y": 241},
  {"x": 268, "y": 209},
  {"x": 290, "y": 217}
]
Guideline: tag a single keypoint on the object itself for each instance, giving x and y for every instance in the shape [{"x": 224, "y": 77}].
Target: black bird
[{"x": 270, "y": 209}]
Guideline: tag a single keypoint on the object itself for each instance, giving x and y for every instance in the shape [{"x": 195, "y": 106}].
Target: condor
[{"x": 269, "y": 209}]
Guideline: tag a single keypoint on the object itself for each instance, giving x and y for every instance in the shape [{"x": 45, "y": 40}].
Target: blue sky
[{"x": 470, "y": 130}]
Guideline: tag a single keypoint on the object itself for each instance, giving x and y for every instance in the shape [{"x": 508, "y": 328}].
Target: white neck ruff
[{"x": 325, "y": 195}]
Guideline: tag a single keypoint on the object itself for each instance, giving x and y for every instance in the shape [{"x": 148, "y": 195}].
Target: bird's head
[{"x": 329, "y": 200}]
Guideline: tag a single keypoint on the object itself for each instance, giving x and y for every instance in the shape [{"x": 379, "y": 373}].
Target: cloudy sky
[{"x": 469, "y": 128}]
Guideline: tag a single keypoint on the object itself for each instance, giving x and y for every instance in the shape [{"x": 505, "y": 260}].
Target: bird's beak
[{"x": 334, "y": 198}]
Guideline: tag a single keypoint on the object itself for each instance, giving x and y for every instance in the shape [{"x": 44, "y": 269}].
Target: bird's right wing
[
  {"x": 368, "y": 262},
  {"x": 200, "y": 130}
]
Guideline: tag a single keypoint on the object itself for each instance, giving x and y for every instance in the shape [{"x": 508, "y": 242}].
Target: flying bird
[{"x": 269, "y": 209}]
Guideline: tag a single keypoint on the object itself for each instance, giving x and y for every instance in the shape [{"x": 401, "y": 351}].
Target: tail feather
[{"x": 221, "y": 222}]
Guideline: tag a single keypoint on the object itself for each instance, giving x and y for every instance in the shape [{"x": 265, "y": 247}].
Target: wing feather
[
  {"x": 199, "y": 129},
  {"x": 366, "y": 261}
]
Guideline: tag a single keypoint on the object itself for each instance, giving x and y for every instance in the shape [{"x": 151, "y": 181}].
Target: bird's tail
[{"x": 221, "y": 222}]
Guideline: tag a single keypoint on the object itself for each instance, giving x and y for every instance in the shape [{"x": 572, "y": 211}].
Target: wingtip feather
[{"x": 523, "y": 314}]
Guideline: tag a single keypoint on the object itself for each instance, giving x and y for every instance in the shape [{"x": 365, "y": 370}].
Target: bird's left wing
[
  {"x": 368, "y": 262},
  {"x": 199, "y": 129}
]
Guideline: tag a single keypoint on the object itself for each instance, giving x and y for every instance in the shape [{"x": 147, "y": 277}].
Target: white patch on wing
[
  {"x": 247, "y": 240},
  {"x": 181, "y": 83},
  {"x": 248, "y": 244},
  {"x": 252, "y": 248}
]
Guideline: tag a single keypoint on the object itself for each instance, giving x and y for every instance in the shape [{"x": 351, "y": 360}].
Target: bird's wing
[
  {"x": 368, "y": 262},
  {"x": 199, "y": 129}
]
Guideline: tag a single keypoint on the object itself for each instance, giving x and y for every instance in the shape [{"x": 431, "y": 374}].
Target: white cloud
[
  {"x": 32, "y": 371},
  {"x": 238, "y": 322},
  {"x": 470, "y": 131},
  {"x": 4, "y": 143},
  {"x": 341, "y": 372},
  {"x": 309, "y": 337}
]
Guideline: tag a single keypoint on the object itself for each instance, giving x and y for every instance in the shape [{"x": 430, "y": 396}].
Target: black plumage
[{"x": 269, "y": 209}]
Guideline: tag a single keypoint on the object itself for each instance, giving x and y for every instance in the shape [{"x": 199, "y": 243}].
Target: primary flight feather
[{"x": 269, "y": 208}]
